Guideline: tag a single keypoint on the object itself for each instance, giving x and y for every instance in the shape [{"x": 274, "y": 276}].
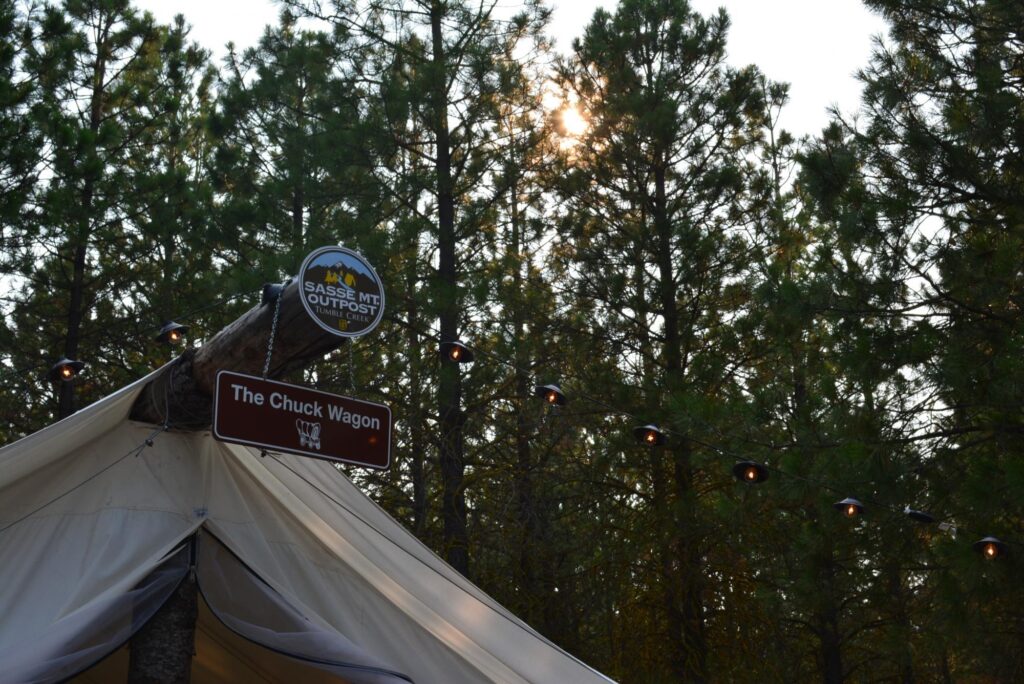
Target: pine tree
[
  {"x": 439, "y": 64},
  {"x": 650, "y": 190},
  {"x": 20, "y": 148},
  {"x": 925, "y": 189},
  {"x": 19, "y": 142},
  {"x": 286, "y": 119},
  {"x": 172, "y": 203},
  {"x": 88, "y": 58}
]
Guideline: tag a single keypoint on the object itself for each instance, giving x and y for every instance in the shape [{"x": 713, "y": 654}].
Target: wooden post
[
  {"x": 181, "y": 397},
  {"x": 161, "y": 652}
]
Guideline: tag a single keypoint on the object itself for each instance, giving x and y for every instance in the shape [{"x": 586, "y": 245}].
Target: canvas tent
[{"x": 303, "y": 577}]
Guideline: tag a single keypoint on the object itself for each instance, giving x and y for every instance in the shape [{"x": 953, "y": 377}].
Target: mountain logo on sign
[{"x": 341, "y": 292}]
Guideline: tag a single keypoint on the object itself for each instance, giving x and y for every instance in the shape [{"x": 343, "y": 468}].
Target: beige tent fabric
[
  {"x": 251, "y": 609},
  {"x": 105, "y": 534},
  {"x": 85, "y": 518},
  {"x": 87, "y": 634}
]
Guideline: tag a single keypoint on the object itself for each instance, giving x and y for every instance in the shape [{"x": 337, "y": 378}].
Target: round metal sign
[{"x": 341, "y": 291}]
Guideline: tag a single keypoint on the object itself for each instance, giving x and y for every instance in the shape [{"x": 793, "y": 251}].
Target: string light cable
[
  {"x": 606, "y": 407},
  {"x": 130, "y": 325},
  {"x": 714, "y": 449}
]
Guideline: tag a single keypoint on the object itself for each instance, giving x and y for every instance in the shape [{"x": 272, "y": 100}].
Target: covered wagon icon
[{"x": 309, "y": 433}]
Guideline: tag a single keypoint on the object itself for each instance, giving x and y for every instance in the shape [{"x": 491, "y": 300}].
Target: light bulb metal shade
[
  {"x": 750, "y": 471},
  {"x": 456, "y": 352},
  {"x": 990, "y": 547},
  {"x": 65, "y": 370},
  {"x": 849, "y": 507},
  {"x": 171, "y": 333},
  {"x": 919, "y": 516},
  {"x": 649, "y": 435},
  {"x": 271, "y": 292},
  {"x": 552, "y": 394}
]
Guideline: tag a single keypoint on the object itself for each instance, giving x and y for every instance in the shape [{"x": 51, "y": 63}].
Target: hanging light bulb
[
  {"x": 456, "y": 352},
  {"x": 552, "y": 394},
  {"x": 172, "y": 333},
  {"x": 750, "y": 471},
  {"x": 919, "y": 516},
  {"x": 649, "y": 435},
  {"x": 851, "y": 508},
  {"x": 990, "y": 547},
  {"x": 65, "y": 370}
]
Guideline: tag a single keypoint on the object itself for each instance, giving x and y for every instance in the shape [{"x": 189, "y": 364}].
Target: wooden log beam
[{"x": 182, "y": 395}]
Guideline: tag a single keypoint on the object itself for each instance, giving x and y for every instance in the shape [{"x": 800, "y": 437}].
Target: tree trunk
[
  {"x": 76, "y": 304},
  {"x": 526, "y": 578},
  {"x": 161, "y": 652},
  {"x": 449, "y": 394},
  {"x": 828, "y": 618},
  {"x": 417, "y": 438},
  {"x": 66, "y": 390},
  {"x": 902, "y": 622},
  {"x": 692, "y": 664},
  {"x": 684, "y": 579},
  {"x": 298, "y": 236},
  {"x": 831, "y": 656}
]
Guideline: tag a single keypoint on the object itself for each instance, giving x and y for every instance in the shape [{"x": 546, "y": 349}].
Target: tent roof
[{"x": 87, "y": 511}]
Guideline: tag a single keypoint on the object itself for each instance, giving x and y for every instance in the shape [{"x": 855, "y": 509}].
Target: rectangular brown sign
[{"x": 298, "y": 420}]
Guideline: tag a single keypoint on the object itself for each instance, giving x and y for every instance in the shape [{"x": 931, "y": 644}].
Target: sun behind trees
[{"x": 844, "y": 309}]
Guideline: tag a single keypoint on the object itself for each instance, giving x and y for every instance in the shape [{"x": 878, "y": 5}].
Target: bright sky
[{"x": 814, "y": 45}]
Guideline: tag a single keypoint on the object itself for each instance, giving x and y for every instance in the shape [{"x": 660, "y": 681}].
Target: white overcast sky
[{"x": 814, "y": 45}]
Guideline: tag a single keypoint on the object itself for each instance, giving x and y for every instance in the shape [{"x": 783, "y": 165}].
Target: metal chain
[
  {"x": 351, "y": 366},
  {"x": 273, "y": 332}
]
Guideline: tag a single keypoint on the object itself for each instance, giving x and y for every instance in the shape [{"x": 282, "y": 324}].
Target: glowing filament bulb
[
  {"x": 851, "y": 510},
  {"x": 174, "y": 337},
  {"x": 650, "y": 437},
  {"x": 551, "y": 397},
  {"x": 751, "y": 473},
  {"x": 455, "y": 353},
  {"x": 990, "y": 550},
  {"x": 67, "y": 372}
]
